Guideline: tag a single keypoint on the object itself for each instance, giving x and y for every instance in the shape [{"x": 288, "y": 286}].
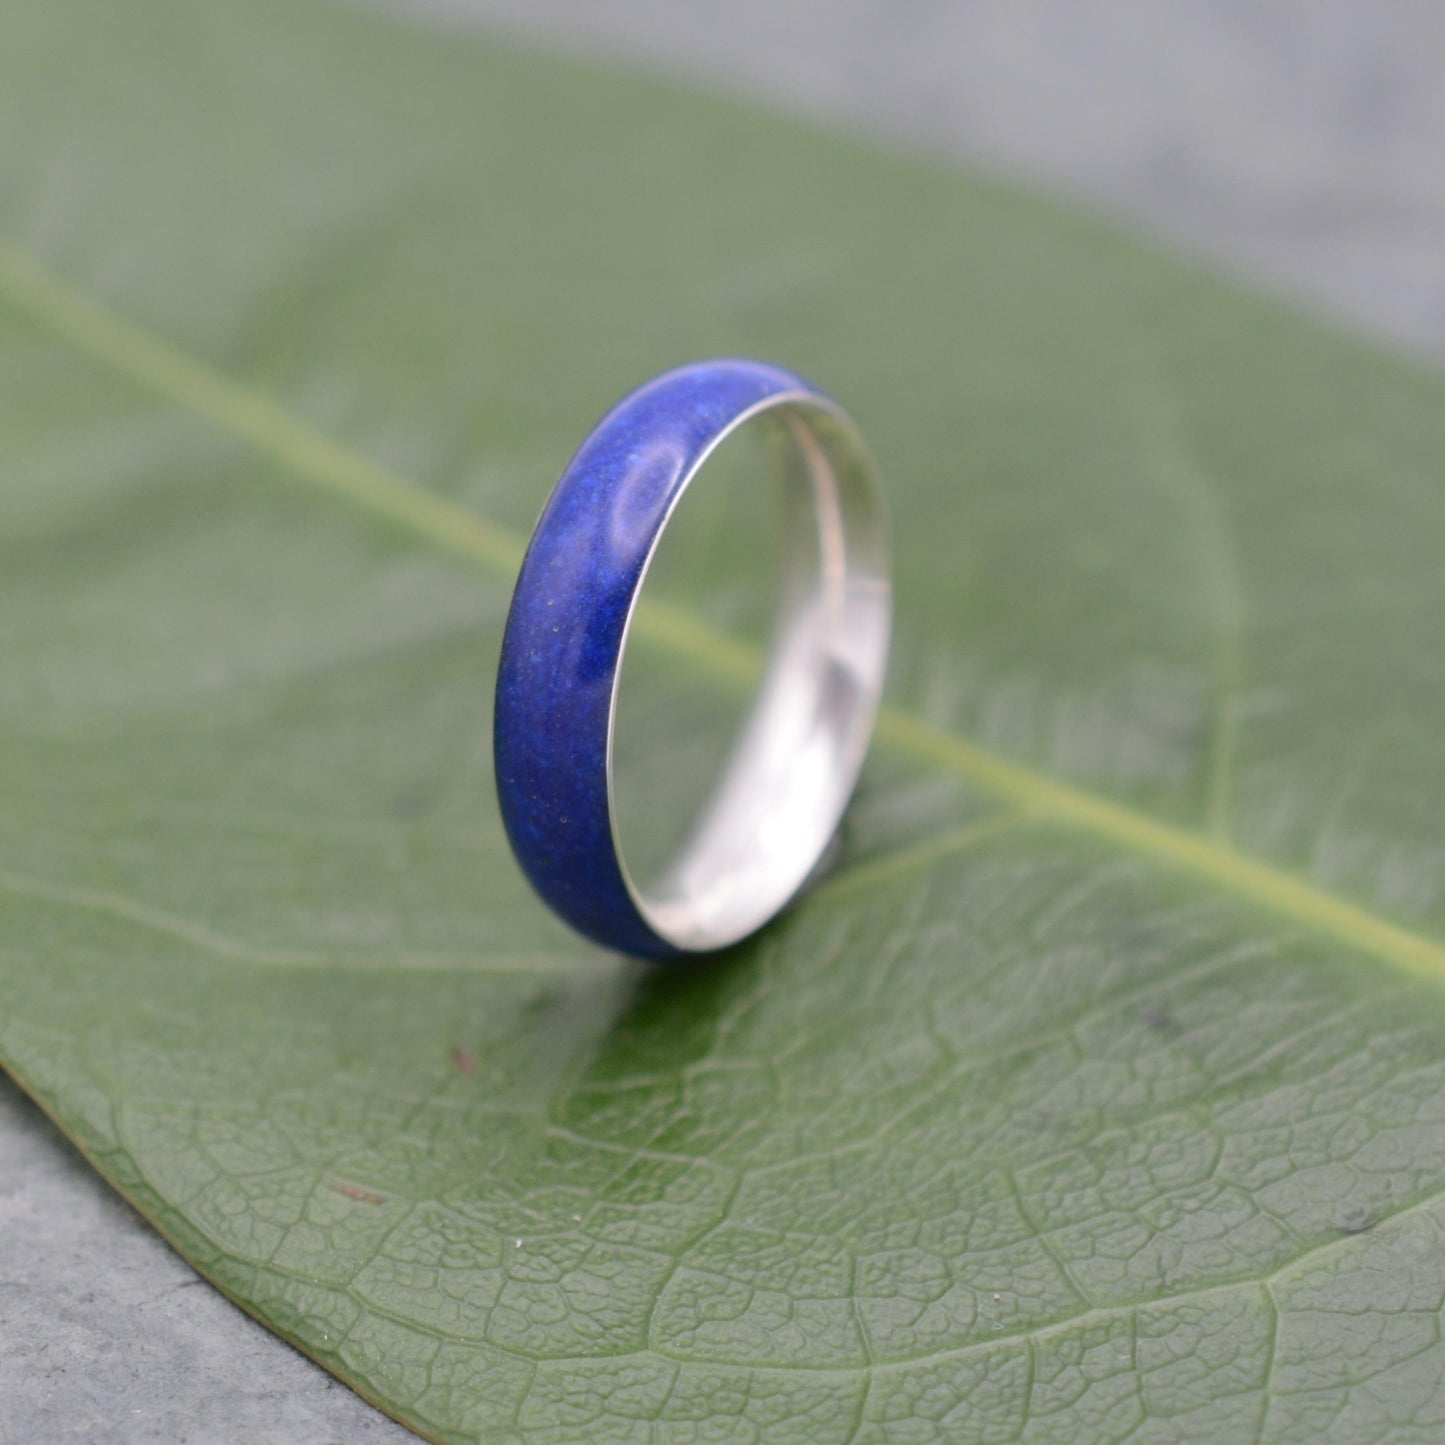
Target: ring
[{"x": 780, "y": 796}]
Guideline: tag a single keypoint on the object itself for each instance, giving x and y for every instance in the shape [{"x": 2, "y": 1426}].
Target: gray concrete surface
[
  {"x": 1299, "y": 141},
  {"x": 108, "y": 1336}
]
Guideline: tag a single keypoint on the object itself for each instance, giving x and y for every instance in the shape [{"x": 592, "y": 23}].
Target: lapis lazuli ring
[{"x": 781, "y": 794}]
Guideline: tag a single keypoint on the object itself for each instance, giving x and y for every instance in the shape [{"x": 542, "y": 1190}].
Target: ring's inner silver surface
[{"x": 781, "y": 792}]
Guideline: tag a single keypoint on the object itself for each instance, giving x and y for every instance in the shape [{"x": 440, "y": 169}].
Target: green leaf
[{"x": 1099, "y": 1093}]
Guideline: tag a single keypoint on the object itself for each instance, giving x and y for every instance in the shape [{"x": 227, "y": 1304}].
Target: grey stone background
[{"x": 1300, "y": 142}]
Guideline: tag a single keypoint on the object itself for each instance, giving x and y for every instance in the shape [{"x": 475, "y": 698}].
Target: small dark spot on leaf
[
  {"x": 543, "y": 999},
  {"x": 1156, "y": 1018},
  {"x": 1139, "y": 935},
  {"x": 1355, "y": 1221},
  {"x": 464, "y": 1061},
  {"x": 356, "y": 1192}
]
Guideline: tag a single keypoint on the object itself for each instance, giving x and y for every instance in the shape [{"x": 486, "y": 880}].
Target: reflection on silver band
[{"x": 792, "y": 768}]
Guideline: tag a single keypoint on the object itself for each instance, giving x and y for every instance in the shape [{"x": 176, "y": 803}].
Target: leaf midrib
[{"x": 113, "y": 340}]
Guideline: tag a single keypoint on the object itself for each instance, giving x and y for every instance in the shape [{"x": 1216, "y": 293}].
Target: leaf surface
[{"x": 1099, "y": 1091}]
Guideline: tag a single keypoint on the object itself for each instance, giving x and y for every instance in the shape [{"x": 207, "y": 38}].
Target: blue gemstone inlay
[{"x": 563, "y": 641}]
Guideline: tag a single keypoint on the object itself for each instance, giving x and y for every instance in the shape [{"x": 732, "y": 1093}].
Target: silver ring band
[{"x": 780, "y": 795}]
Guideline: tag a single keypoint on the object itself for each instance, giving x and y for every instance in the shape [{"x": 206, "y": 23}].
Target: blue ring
[{"x": 563, "y": 640}]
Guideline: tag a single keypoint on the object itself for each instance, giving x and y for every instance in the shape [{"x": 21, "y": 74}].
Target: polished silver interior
[{"x": 781, "y": 793}]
